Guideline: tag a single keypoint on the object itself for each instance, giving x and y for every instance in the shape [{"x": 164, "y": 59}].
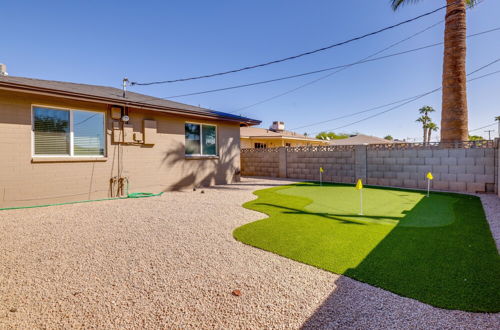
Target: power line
[
  {"x": 298, "y": 55},
  {"x": 319, "y": 79},
  {"x": 399, "y": 106},
  {"x": 477, "y": 129},
  {"x": 353, "y": 114},
  {"x": 342, "y": 67},
  {"x": 410, "y": 101},
  {"x": 349, "y": 65}
]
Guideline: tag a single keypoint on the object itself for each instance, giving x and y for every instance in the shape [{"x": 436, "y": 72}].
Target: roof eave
[{"x": 107, "y": 100}]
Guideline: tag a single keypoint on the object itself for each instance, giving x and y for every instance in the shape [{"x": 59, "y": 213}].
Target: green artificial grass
[{"x": 436, "y": 249}]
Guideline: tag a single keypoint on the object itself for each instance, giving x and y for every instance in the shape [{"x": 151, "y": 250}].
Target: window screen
[
  {"x": 209, "y": 140},
  {"x": 51, "y": 132},
  {"x": 201, "y": 139},
  {"x": 54, "y": 129},
  {"x": 193, "y": 146},
  {"x": 88, "y": 128}
]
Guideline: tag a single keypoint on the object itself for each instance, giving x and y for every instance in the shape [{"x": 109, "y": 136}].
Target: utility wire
[
  {"x": 353, "y": 114},
  {"x": 311, "y": 82},
  {"x": 342, "y": 67},
  {"x": 305, "y": 73},
  {"x": 412, "y": 100},
  {"x": 298, "y": 55},
  {"x": 477, "y": 129}
]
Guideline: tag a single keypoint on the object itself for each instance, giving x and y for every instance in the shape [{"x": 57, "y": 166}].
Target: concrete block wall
[
  {"x": 469, "y": 168},
  {"x": 260, "y": 162},
  {"x": 461, "y": 169},
  {"x": 338, "y": 164}
]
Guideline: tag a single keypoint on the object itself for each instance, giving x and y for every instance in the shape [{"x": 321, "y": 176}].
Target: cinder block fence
[{"x": 463, "y": 167}]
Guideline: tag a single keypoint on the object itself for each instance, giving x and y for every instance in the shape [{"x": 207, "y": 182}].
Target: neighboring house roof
[
  {"x": 359, "y": 139},
  {"x": 256, "y": 132},
  {"x": 113, "y": 96}
]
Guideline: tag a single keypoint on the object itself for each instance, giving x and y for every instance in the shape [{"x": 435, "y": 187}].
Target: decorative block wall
[{"x": 463, "y": 167}]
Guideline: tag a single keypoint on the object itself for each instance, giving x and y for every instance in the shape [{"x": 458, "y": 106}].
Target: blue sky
[{"x": 100, "y": 42}]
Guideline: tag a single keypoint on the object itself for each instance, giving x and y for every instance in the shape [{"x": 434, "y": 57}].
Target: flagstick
[
  {"x": 361, "y": 201},
  {"x": 428, "y": 186},
  {"x": 320, "y": 178}
]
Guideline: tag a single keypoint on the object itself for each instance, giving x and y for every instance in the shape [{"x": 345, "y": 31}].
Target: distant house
[
  {"x": 359, "y": 139},
  {"x": 63, "y": 142},
  {"x": 275, "y": 137}
]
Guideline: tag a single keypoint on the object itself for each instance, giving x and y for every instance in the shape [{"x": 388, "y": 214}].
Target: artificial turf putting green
[{"x": 438, "y": 250}]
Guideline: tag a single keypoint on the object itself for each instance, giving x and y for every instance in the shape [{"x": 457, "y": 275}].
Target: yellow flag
[
  {"x": 429, "y": 176},
  {"x": 359, "y": 185},
  {"x": 321, "y": 169}
]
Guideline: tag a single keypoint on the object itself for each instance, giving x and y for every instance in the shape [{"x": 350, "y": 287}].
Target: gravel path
[
  {"x": 491, "y": 205},
  {"x": 171, "y": 262}
]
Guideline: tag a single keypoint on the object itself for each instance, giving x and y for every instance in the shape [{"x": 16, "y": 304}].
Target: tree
[
  {"x": 454, "y": 116},
  {"x": 331, "y": 136},
  {"x": 431, "y": 127},
  {"x": 388, "y": 137},
  {"x": 425, "y": 119},
  {"x": 475, "y": 138}
]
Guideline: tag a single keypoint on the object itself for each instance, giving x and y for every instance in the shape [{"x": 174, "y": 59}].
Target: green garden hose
[{"x": 132, "y": 195}]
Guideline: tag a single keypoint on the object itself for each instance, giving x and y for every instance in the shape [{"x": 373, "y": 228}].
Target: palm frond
[
  {"x": 395, "y": 4},
  {"x": 471, "y": 3}
]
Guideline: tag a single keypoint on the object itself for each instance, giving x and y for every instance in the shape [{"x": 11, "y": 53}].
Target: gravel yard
[{"x": 171, "y": 262}]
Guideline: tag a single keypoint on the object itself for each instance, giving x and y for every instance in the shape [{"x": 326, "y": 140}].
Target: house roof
[
  {"x": 113, "y": 96},
  {"x": 257, "y": 132},
  {"x": 359, "y": 139}
]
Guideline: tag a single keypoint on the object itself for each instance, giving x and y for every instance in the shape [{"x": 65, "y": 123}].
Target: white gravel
[
  {"x": 491, "y": 205},
  {"x": 171, "y": 262}
]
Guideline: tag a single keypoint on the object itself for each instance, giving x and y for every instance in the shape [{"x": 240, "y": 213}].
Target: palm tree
[
  {"x": 454, "y": 118},
  {"x": 425, "y": 119},
  {"x": 431, "y": 127}
]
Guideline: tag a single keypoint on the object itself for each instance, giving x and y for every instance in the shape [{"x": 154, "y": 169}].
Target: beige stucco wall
[{"x": 156, "y": 168}]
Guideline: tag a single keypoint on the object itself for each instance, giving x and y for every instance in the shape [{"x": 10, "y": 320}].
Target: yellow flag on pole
[
  {"x": 321, "y": 170},
  {"x": 359, "y": 184},
  {"x": 429, "y": 176}
]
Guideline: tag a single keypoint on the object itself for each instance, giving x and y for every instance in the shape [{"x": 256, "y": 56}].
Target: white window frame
[
  {"x": 201, "y": 139},
  {"x": 71, "y": 132}
]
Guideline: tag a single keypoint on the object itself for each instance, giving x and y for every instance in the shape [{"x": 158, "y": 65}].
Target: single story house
[
  {"x": 359, "y": 139},
  {"x": 65, "y": 142},
  {"x": 275, "y": 137}
]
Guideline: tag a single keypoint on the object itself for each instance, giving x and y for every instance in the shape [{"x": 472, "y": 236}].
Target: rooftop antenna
[{"x": 124, "y": 84}]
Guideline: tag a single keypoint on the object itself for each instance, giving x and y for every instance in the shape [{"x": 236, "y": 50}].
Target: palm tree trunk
[
  {"x": 429, "y": 132},
  {"x": 425, "y": 135},
  {"x": 454, "y": 118}
]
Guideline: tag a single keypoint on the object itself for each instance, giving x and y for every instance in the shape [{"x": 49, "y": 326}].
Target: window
[
  {"x": 259, "y": 145},
  {"x": 59, "y": 132},
  {"x": 201, "y": 139}
]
